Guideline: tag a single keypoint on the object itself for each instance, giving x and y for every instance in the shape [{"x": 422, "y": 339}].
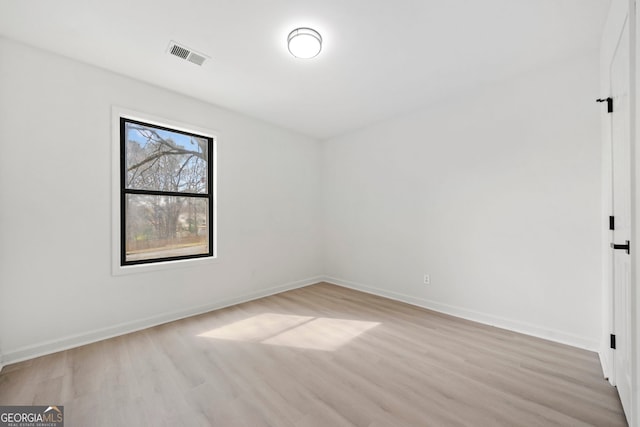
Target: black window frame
[{"x": 124, "y": 191}]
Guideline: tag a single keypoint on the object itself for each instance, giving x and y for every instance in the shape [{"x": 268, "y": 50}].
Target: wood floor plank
[{"x": 323, "y": 356}]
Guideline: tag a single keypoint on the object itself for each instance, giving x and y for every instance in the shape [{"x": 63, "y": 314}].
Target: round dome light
[{"x": 304, "y": 43}]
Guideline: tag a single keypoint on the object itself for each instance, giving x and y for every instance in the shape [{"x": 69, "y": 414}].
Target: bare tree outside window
[{"x": 166, "y": 194}]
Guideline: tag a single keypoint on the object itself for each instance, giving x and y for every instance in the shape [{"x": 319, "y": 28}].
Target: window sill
[{"x": 122, "y": 270}]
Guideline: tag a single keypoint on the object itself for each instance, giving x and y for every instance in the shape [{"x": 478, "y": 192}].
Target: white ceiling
[{"x": 381, "y": 58}]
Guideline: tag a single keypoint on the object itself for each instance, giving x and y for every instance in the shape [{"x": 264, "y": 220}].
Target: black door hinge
[
  {"x": 612, "y": 223},
  {"x": 613, "y": 341},
  {"x": 609, "y": 103}
]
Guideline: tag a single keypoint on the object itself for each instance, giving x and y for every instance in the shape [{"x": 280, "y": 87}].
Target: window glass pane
[
  {"x": 165, "y": 226},
  {"x": 163, "y": 160}
]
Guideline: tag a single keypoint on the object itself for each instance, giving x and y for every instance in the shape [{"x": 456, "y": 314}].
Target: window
[{"x": 166, "y": 194}]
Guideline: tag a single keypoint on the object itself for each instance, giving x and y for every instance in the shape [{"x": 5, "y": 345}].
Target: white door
[{"x": 621, "y": 163}]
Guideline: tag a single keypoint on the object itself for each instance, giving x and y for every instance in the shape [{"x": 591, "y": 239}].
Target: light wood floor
[{"x": 319, "y": 356}]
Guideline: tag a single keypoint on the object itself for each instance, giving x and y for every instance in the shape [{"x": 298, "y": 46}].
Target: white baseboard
[
  {"x": 65, "y": 343},
  {"x": 487, "y": 319},
  {"x": 606, "y": 363},
  {"x": 60, "y": 344}
]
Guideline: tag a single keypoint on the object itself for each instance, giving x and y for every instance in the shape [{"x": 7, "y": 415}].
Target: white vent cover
[{"x": 184, "y": 52}]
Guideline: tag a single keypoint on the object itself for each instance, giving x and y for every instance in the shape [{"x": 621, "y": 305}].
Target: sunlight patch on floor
[{"x": 315, "y": 333}]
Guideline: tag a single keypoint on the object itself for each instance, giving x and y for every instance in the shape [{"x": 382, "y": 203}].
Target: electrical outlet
[{"x": 427, "y": 279}]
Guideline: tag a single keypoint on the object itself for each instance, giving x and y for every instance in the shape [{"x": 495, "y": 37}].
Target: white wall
[
  {"x": 56, "y": 287},
  {"x": 495, "y": 194}
]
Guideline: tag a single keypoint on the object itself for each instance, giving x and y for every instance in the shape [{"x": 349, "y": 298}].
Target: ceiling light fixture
[{"x": 304, "y": 43}]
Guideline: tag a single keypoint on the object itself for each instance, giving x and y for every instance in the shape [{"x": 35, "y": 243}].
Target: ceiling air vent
[{"x": 186, "y": 53}]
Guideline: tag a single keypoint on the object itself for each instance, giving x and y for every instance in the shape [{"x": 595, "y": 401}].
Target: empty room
[{"x": 336, "y": 213}]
